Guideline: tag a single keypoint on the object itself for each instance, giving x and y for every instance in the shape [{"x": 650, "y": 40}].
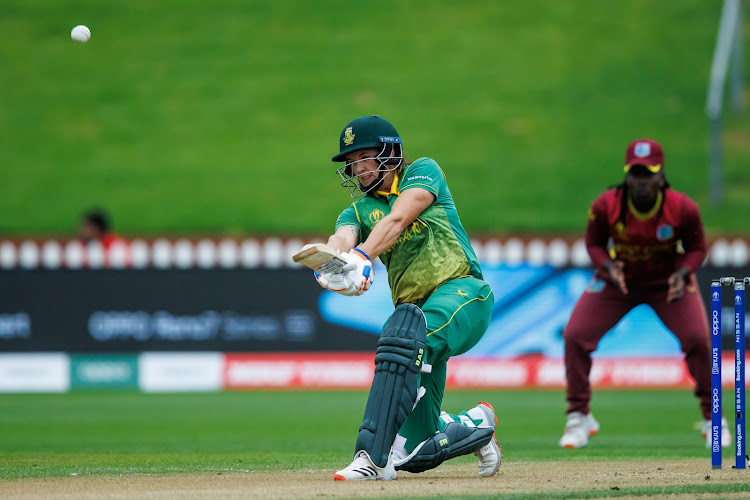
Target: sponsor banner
[
  {"x": 541, "y": 372},
  {"x": 104, "y": 371},
  {"x": 284, "y": 310},
  {"x": 35, "y": 372},
  {"x": 180, "y": 371},
  {"x": 355, "y": 371},
  {"x": 538, "y": 371},
  {"x": 222, "y": 310},
  {"x": 280, "y": 370}
]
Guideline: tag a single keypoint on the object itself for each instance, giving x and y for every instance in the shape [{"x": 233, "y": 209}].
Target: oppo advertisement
[{"x": 285, "y": 310}]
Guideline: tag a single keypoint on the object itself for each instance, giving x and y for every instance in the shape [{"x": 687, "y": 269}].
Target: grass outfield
[
  {"x": 286, "y": 445},
  {"x": 113, "y": 433},
  {"x": 197, "y": 117}
]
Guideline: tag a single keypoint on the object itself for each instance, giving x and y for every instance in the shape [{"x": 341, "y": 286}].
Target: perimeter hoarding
[
  {"x": 284, "y": 310},
  {"x": 168, "y": 310}
]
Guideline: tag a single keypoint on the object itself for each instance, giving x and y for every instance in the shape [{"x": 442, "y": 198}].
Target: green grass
[
  {"x": 220, "y": 117},
  {"x": 104, "y": 433}
]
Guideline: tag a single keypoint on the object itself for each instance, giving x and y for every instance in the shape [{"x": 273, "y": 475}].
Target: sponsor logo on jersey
[
  {"x": 419, "y": 177},
  {"x": 349, "y": 136},
  {"x": 664, "y": 232},
  {"x": 642, "y": 149},
  {"x": 375, "y": 216}
]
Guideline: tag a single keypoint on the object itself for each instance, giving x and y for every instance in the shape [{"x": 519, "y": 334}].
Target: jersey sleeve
[
  {"x": 426, "y": 174},
  {"x": 693, "y": 239},
  {"x": 348, "y": 217},
  {"x": 597, "y": 232}
]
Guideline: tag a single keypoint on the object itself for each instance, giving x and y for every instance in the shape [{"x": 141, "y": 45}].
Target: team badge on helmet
[{"x": 349, "y": 136}]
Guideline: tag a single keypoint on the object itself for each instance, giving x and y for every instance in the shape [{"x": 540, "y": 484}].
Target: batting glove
[
  {"x": 354, "y": 279},
  {"x": 359, "y": 270}
]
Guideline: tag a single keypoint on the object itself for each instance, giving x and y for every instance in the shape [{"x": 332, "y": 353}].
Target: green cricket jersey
[{"x": 432, "y": 250}]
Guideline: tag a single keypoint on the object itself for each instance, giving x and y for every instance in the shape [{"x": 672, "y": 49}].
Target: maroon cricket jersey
[{"x": 652, "y": 245}]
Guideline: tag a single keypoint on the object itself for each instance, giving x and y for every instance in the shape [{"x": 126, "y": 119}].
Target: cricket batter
[
  {"x": 646, "y": 241},
  {"x": 404, "y": 213}
]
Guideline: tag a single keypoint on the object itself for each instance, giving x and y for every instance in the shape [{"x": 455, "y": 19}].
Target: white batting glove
[
  {"x": 359, "y": 269},
  {"x": 337, "y": 282},
  {"x": 354, "y": 279}
]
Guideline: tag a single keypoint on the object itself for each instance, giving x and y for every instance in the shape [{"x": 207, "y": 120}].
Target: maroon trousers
[{"x": 596, "y": 312}]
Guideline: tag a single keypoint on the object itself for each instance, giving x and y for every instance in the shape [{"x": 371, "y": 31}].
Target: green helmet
[
  {"x": 366, "y": 132},
  {"x": 363, "y": 133}
]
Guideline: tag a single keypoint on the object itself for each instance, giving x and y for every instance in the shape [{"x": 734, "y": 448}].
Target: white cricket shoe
[
  {"x": 490, "y": 455},
  {"x": 362, "y": 469},
  {"x": 726, "y": 437},
  {"x": 578, "y": 429}
]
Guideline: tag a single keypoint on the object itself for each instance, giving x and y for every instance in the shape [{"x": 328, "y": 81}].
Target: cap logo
[
  {"x": 642, "y": 149},
  {"x": 349, "y": 136}
]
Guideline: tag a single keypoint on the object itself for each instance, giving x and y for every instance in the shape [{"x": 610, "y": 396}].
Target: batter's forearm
[
  {"x": 338, "y": 243},
  {"x": 383, "y": 236},
  {"x": 344, "y": 239}
]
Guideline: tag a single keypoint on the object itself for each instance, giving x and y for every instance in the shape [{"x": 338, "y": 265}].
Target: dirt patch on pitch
[{"x": 448, "y": 480}]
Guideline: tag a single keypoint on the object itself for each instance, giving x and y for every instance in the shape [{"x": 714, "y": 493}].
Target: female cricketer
[
  {"x": 646, "y": 240},
  {"x": 404, "y": 213}
]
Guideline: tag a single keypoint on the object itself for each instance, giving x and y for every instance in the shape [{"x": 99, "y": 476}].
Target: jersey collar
[
  {"x": 646, "y": 215},
  {"x": 394, "y": 187}
]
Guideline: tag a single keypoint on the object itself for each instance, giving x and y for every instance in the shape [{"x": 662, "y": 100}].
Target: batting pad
[
  {"x": 398, "y": 360},
  {"x": 456, "y": 439}
]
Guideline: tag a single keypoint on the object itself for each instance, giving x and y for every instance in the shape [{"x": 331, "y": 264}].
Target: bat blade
[{"x": 321, "y": 258}]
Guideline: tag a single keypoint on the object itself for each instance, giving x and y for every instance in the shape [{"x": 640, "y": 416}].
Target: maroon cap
[{"x": 646, "y": 152}]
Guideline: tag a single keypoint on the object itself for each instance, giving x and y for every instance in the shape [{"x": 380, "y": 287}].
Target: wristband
[{"x": 367, "y": 257}]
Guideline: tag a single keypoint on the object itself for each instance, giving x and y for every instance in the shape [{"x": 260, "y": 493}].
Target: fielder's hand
[
  {"x": 617, "y": 273},
  {"x": 354, "y": 279}
]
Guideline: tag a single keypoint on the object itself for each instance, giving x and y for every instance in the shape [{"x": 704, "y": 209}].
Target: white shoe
[
  {"x": 362, "y": 469},
  {"x": 726, "y": 437},
  {"x": 490, "y": 455},
  {"x": 578, "y": 429}
]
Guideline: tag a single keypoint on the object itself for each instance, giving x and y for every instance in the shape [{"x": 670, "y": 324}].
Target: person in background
[
  {"x": 646, "y": 241},
  {"x": 96, "y": 228}
]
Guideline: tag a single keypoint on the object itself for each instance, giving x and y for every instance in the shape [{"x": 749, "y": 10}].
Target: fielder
[
  {"x": 646, "y": 241},
  {"x": 404, "y": 213}
]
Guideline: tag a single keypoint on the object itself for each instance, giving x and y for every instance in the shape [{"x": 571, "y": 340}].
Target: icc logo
[
  {"x": 738, "y": 300},
  {"x": 715, "y": 296},
  {"x": 375, "y": 216}
]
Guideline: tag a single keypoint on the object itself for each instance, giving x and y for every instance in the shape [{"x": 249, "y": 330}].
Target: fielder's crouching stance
[{"x": 405, "y": 215}]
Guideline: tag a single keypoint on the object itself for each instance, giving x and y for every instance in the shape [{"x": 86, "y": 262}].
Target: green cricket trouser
[{"x": 457, "y": 314}]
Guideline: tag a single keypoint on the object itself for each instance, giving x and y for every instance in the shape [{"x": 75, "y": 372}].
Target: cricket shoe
[
  {"x": 362, "y": 469},
  {"x": 726, "y": 437},
  {"x": 578, "y": 429},
  {"x": 490, "y": 455}
]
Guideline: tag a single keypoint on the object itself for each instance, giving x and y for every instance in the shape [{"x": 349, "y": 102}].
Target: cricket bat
[{"x": 321, "y": 258}]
